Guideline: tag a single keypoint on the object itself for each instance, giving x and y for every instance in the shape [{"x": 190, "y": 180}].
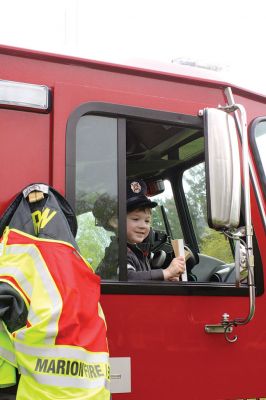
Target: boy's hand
[{"x": 175, "y": 269}]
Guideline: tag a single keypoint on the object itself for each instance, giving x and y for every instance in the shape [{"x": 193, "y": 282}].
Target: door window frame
[
  {"x": 122, "y": 113},
  {"x": 256, "y": 152}
]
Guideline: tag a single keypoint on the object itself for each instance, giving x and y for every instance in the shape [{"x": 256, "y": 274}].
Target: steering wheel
[{"x": 162, "y": 252}]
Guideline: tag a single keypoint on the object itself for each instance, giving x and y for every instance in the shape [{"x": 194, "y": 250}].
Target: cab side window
[
  {"x": 166, "y": 205},
  {"x": 258, "y": 142},
  {"x": 96, "y": 189},
  {"x": 210, "y": 242},
  {"x": 260, "y": 139},
  {"x": 166, "y": 150}
]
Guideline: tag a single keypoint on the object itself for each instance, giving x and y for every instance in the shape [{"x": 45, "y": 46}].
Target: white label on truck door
[{"x": 120, "y": 374}]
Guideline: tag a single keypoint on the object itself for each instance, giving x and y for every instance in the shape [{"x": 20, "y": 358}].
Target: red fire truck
[{"x": 84, "y": 127}]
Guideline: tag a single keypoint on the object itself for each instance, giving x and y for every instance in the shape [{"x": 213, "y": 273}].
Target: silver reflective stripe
[
  {"x": 19, "y": 276},
  {"x": 33, "y": 317},
  {"x": 47, "y": 282},
  {"x": 8, "y": 356},
  {"x": 21, "y": 334},
  {"x": 62, "y": 352},
  {"x": 66, "y": 381},
  {"x": 4, "y": 353}
]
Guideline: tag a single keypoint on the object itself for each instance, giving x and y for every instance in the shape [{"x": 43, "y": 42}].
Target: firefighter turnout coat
[{"x": 53, "y": 328}]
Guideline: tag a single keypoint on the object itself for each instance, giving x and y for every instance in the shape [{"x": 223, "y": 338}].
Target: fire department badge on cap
[
  {"x": 136, "y": 195},
  {"x": 135, "y": 187}
]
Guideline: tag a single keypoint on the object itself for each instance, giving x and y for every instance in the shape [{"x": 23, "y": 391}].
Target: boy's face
[{"x": 138, "y": 225}]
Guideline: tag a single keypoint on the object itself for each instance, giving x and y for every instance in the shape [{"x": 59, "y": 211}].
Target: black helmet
[{"x": 62, "y": 202}]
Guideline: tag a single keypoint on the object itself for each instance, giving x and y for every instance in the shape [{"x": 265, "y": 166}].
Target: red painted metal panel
[
  {"x": 24, "y": 151},
  {"x": 172, "y": 356}
]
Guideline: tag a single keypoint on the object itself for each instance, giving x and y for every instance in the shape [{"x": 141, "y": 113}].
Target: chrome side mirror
[{"x": 222, "y": 163}]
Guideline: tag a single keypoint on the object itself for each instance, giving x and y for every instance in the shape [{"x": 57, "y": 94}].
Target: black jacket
[
  {"x": 108, "y": 267},
  {"x": 138, "y": 265}
]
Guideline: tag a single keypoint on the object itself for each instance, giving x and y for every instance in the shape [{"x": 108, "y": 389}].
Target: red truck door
[{"x": 156, "y": 330}]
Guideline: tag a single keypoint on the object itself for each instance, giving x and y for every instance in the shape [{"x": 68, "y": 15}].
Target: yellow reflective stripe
[
  {"x": 4, "y": 240},
  {"x": 62, "y": 352},
  {"x": 2, "y": 328},
  {"x": 7, "y": 375},
  {"x": 40, "y": 239},
  {"x": 67, "y": 381},
  {"x": 101, "y": 314},
  {"x": 32, "y": 252}
]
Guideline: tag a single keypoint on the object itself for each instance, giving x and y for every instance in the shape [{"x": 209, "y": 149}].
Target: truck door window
[
  {"x": 214, "y": 248},
  {"x": 260, "y": 139},
  {"x": 166, "y": 204},
  {"x": 108, "y": 143},
  {"x": 258, "y": 142},
  {"x": 96, "y": 189}
]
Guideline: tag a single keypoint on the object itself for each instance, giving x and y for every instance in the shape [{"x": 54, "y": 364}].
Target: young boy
[{"x": 138, "y": 228}]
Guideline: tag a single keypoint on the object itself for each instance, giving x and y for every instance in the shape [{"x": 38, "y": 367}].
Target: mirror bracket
[{"x": 225, "y": 327}]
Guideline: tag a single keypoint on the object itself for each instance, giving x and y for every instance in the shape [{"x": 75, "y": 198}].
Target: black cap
[{"x": 136, "y": 195}]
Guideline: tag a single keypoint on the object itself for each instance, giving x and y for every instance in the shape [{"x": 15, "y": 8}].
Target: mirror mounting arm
[{"x": 242, "y": 128}]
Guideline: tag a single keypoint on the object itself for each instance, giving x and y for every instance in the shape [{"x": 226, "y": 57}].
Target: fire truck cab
[{"x": 85, "y": 127}]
